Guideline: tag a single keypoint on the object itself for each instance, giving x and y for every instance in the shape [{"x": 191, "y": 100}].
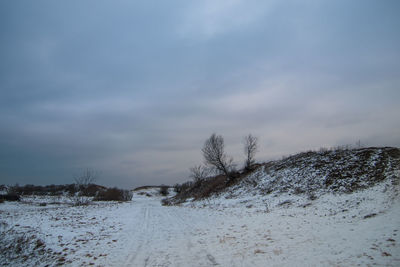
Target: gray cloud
[{"x": 133, "y": 88}]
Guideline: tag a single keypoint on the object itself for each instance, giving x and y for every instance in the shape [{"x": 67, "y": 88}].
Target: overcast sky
[{"x": 132, "y": 89}]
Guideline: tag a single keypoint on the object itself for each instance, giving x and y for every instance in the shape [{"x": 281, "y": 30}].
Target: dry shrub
[
  {"x": 200, "y": 189},
  {"x": 10, "y": 197},
  {"x": 166, "y": 202},
  {"x": 164, "y": 190},
  {"x": 114, "y": 194}
]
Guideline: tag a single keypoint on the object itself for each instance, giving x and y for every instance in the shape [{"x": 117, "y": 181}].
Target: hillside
[
  {"x": 309, "y": 174},
  {"x": 316, "y": 173}
]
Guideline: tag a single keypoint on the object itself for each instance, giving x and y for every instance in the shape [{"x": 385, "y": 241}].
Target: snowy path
[
  {"x": 165, "y": 237},
  {"x": 183, "y": 236}
]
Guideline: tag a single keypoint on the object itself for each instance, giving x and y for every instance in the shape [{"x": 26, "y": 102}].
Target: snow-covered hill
[
  {"x": 336, "y": 171},
  {"x": 309, "y": 175}
]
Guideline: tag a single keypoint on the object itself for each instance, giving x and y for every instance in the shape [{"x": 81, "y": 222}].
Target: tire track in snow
[
  {"x": 141, "y": 238},
  {"x": 165, "y": 237}
]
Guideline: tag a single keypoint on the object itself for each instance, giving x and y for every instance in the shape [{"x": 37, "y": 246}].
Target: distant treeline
[
  {"x": 53, "y": 190},
  {"x": 95, "y": 192}
]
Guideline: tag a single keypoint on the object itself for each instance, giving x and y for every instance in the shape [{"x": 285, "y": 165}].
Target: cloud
[
  {"x": 132, "y": 89},
  {"x": 208, "y": 19}
]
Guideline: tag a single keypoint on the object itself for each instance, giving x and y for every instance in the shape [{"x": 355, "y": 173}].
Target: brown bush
[
  {"x": 202, "y": 188},
  {"x": 164, "y": 190},
  {"x": 10, "y": 197},
  {"x": 114, "y": 194}
]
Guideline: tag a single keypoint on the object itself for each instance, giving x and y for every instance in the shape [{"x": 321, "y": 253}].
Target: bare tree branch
[
  {"x": 214, "y": 155},
  {"x": 250, "y": 149},
  {"x": 88, "y": 177},
  {"x": 82, "y": 183},
  {"x": 199, "y": 172}
]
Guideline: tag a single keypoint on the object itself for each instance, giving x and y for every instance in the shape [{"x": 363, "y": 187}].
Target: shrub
[
  {"x": 166, "y": 202},
  {"x": 78, "y": 199},
  {"x": 164, "y": 190},
  {"x": 200, "y": 189},
  {"x": 10, "y": 197},
  {"x": 199, "y": 172},
  {"x": 114, "y": 194},
  {"x": 179, "y": 188}
]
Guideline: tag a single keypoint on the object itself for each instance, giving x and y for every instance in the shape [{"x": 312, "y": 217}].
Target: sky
[{"x": 132, "y": 89}]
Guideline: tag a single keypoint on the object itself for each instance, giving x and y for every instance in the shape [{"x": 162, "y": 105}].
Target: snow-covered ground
[{"x": 362, "y": 228}]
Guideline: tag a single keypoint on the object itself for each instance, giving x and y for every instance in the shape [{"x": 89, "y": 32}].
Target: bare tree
[
  {"x": 82, "y": 183},
  {"x": 88, "y": 177},
  {"x": 214, "y": 155},
  {"x": 250, "y": 149},
  {"x": 199, "y": 172}
]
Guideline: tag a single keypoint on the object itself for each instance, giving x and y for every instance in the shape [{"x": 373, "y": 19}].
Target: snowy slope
[
  {"x": 310, "y": 174},
  {"x": 339, "y": 171}
]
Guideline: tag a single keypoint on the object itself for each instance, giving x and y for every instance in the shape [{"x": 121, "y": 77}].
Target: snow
[
  {"x": 327, "y": 208},
  {"x": 361, "y": 228}
]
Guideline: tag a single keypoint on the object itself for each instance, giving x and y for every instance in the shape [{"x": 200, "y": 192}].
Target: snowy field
[{"x": 285, "y": 230}]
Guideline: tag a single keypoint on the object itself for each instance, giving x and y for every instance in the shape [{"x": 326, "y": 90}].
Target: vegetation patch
[{"x": 113, "y": 194}]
